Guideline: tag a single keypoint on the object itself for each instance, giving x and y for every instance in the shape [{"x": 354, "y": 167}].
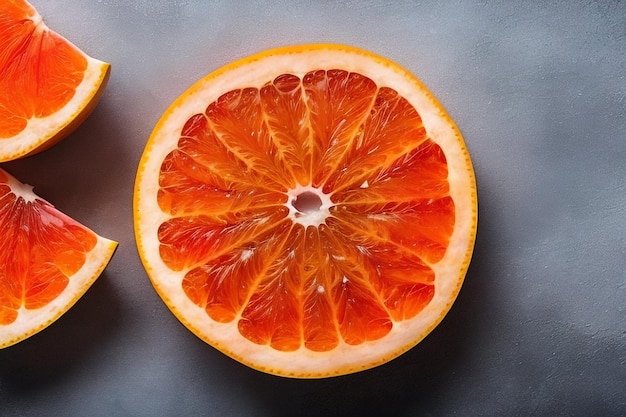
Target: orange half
[
  {"x": 48, "y": 86},
  {"x": 309, "y": 211}
]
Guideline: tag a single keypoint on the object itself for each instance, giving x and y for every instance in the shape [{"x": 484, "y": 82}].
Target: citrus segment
[
  {"x": 392, "y": 129},
  {"x": 47, "y": 85},
  {"x": 47, "y": 261},
  {"x": 310, "y": 211}
]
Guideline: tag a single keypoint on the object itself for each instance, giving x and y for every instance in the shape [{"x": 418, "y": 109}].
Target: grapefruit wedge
[
  {"x": 309, "y": 211},
  {"x": 48, "y": 86},
  {"x": 47, "y": 261}
]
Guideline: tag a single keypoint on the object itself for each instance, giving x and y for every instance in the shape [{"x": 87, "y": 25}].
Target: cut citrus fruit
[
  {"x": 47, "y": 261},
  {"x": 309, "y": 211},
  {"x": 47, "y": 85}
]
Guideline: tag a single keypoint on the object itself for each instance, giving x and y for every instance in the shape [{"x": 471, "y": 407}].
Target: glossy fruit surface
[
  {"x": 47, "y": 261},
  {"x": 47, "y": 85},
  {"x": 310, "y": 211}
]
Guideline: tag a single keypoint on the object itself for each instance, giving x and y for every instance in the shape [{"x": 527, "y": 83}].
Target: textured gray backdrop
[{"x": 538, "y": 90}]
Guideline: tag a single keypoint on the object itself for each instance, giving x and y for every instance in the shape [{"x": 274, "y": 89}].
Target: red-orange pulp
[{"x": 364, "y": 266}]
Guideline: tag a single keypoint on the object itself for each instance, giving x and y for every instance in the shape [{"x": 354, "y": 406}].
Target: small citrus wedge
[
  {"x": 309, "y": 211},
  {"x": 47, "y": 261},
  {"x": 48, "y": 86}
]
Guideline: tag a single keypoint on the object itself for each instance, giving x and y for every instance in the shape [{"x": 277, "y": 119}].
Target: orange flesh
[
  {"x": 40, "y": 249},
  {"x": 362, "y": 269},
  {"x": 39, "y": 70}
]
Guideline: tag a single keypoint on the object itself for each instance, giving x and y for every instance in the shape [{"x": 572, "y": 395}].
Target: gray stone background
[{"x": 538, "y": 90}]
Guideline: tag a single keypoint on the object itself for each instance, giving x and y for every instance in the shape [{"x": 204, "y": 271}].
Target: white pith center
[
  {"x": 40, "y": 26},
  {"x": 22, "y": 190},
  {"x": 308, "y": 205}
]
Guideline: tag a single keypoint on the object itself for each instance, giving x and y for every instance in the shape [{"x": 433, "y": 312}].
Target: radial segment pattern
[
  {"x": 40, "y": 250},
  {"x": 378, "y": 208},
  {"x": 39, "y": 70}
]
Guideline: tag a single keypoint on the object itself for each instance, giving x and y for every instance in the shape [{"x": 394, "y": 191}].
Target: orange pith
[{"x": 310, "y": 216}]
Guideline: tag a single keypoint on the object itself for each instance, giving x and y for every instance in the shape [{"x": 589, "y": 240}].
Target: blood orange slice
[
  {"x": 47, "y": 85},
  {"x": 47, "y": 261},
  {"x": 310, "y": 211}
]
